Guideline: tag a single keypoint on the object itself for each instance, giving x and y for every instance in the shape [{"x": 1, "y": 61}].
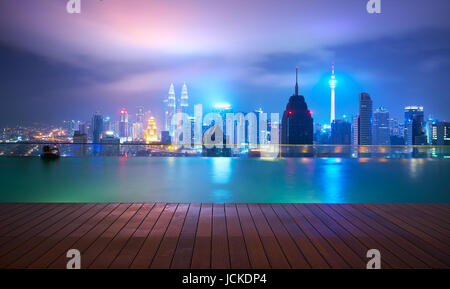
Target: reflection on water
[
  {"x": 334, "y": 180},
  {"x": 221, "y": 170},
  {"x": 415, "y": 165}
]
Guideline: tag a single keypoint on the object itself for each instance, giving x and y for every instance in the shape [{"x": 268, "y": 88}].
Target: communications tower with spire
[{"x": 332, "y": 83}]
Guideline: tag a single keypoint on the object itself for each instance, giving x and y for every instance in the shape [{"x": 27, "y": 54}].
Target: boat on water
[{"x": 50, "y": 152}]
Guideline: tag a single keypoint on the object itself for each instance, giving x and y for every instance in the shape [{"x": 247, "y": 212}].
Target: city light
[
  {"x": 332, "y": 83},
  {"x": 222, "y": 106}
]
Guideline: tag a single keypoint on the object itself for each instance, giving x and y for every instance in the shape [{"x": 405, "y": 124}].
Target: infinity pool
[{"x": 327, "y": 180}]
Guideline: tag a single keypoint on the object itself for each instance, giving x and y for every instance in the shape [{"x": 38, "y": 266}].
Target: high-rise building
[
  {"x": 355, "y": 131},
  {"x": 138, "y": 131},
  {"x": 365, "y": 119},
  {"x": 110, "y": 144},
  {"x": 410, "y": 112},
  {"x": 297, "y": 123},
  {"x": 107, "y": 125},
  {"x": 394, "y": 127},
  {"x": 184, "y": 101},
  {"x": 123, "y": 125},
  {"x": 140, "y": 114},
  {"x": 171, "y": 110},
  {"x": 150, "y": 133},
  {"x": 419, "y": 136},
  {"x": 341, "y": 132},
  {"x": 440, "y": 133},
  {"x": 380, "y": 127},
  {"x": 97, "y": 127},
  {"x": 332, "y": 83},
  {"x": 69, "y": 126}
]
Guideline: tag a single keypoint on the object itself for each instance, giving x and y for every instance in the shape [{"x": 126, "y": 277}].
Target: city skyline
[{"x": 109, "y": 60}]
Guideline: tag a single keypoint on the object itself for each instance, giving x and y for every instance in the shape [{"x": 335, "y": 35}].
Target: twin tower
[{"x": 172, "y": 106}]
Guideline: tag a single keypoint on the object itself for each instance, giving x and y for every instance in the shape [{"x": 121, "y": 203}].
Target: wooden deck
[{"x": 236, "y": 236}]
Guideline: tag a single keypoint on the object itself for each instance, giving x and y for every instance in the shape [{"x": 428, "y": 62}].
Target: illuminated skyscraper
[
  {"x": 140, "y": 114},
  {"x": 171, "y": 110},
  {"x": 414, "y": 122},
  {"x": 297, "y": 123},
  {"x": 380, "y": 131},
  {"x": 332, "y": 83},
  {"x": 123, "y": 125},
  {"x": 341, "y": 132},
  {"x": 365, "y": 119},
  {"x": 97, "y": 127},
  {"x": 150, "y": 133},
  {"x": 184, "y": 99}
]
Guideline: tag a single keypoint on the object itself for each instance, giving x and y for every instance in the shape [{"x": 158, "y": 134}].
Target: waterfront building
[{"x": 110, "y": 144}]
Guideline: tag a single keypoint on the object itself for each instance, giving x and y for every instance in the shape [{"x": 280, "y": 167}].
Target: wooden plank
[
  {"x": 120, "y": 239},
  {"x": 201, "y": 257},
  {"x": 25, "y": 218},
  {"x": 359, "y": 248},
  {"x": 60, "y": 249},
  {"x": 255, "y": 249},
  {"x": 236, "y": 243},
  {"x": 274, "y": 253},
  {"x": 236, "y": 236},
  {"x": 220, "y": 257},
  {"x": 295, "y": 257},
  {"x": 7, "y": 207},
  {"x": 182, "y": 257},
  {"x": 311, "y": 253},
  {"x": 386, "y": 244},
  {"x": 429, "y": 244},
  {"x": 389, "y": 260},
  {"x": 390, "y": 238},
  {"x": 102, "y": 242},
  {"x": 330, "y": 255},
  {"x": 39, "y": 233},
  {"x": 25, "y": 232},
  {"x": 164, "y": 255},
  {"x": 84, "y": 242},
  {"x": 399, "y": 236},
  {"x": 431, "y": 212},
  {"x": 419, "y": 220},
  {"x": 152, "y": 242},
  {"x": 131, "y": 249},
  {"x": 9, "y": 210},
  {"x": 54, "y": 234},
  {"x": 442, "y": 208},
  {"x": 354, "y": 260}
]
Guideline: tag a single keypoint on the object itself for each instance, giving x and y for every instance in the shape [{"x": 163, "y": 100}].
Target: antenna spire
[{"x": 296, "y": 81}]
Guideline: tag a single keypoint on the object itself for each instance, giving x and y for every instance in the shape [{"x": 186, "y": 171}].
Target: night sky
[{"x": 124, "y": 53}]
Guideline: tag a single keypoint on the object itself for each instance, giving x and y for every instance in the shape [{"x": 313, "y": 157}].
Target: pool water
[{"x": 250, "y": 180}]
